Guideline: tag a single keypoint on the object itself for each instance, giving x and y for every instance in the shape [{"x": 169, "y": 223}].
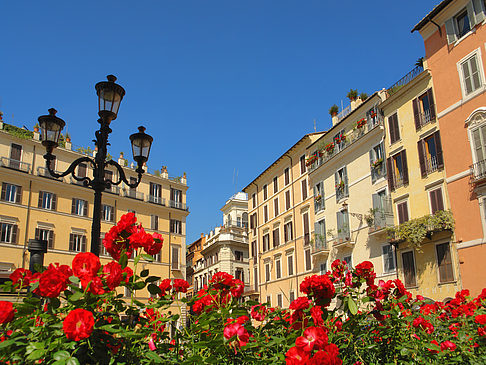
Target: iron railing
[
  {"x": 156, "y": 199},
  {"x": 426, "y": 117},
  {"x": 378, "y": 171},
  {"x": 178, "y": 205},
  {"x": 15, "y": 164},
  {"x": 405, "y": 80},
  {"x": 44, "y": 172},
  {"x": 133, "y": 194},
  {"x": 478, "y": 170},
  {"x": 431, "y": 164},
  {"x": 382, "y": 212},
  {"x": 319, "y": 244}
]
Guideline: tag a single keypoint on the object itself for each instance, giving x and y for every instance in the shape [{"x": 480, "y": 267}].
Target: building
[
  {"x": 351, "y": 201},
  {"x": 226, "y": 247},
  {"x": 35, "y": 205},
  {"x": 454, "y": 34},
  {"x": 427, "y": 265},
  {"x": 280, "y": 209},
  {"x": 193, "y": 255}
]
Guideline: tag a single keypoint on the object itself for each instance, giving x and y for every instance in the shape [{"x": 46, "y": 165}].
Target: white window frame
[
  {"x": 323, "y": 272},
  {"x": 9, "y": 227},
  {"x": 383, "y": 261},
  {"x": 9, "y": 188},
  {"x": 79, "y": 207},
  {"x": 47, "y": 203},
  {"x": 482, "y": 87},
  {"x": 111, "y": 213}
]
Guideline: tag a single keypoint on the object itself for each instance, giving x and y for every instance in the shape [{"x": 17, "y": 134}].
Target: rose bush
[{"x": 75, "y": 315}]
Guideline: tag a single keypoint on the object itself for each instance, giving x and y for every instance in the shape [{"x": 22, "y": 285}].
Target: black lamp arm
[
  {"x": 123, "y": 177},
  {"x": 71, "y": 168}
]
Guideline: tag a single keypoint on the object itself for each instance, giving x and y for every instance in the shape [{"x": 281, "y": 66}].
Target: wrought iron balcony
[
  {"x": 378, "y": 171},
  {"x": 178, "y": 205},
  {"x": 431, "y": 164},
  {"x": 15, "y": 164},
  {"x": 382, "y": 214},
  {"x": 478, "y": 171},
  {"x": 405, "y": 80},
  {"x": 156, "y": 199},
  {"x": 319, "y": 245},
  {"x": 133, "y": 194},
  {"x": 113, "y": 190},
  {"x": 44, "y": 172},
  {"x": 426, "y": 117}
]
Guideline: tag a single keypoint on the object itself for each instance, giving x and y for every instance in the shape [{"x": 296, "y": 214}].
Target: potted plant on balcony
[
  {"x": 352, "y": 94},
  {"x": 68, "y": 137},
  {"x": 318, "y": 198},
  {"x": 340, "y": 138},
  {"x": 370, "y": 217},
  {"x": 340, "y": 185},
  {"x": 373, "y": 113},
  {"x": 361, "y": 123},
  {"x": 333, "y": 110},
  {"x": 377, "y": 163},
  {"x": 363, "y": 96},
  {"x": 329, "y": 148},
  {"x": 311, "y": 159},
  {"x": 36, "y": 127}
]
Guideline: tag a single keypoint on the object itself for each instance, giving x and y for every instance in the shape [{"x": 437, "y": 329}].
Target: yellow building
[
  {"x": 280, "y": 209},
  {"x": 35, "y": 205},
  {"x": 416, "y": 179},
  {"x": 351, "y": 200}
]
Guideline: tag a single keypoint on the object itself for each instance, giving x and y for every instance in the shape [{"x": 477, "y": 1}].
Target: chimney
[{"x": 164, "y": 172}]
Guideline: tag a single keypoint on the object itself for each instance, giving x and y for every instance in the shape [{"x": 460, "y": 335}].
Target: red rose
[
  {"x": 156, "y": 244},
  {"x": 314, "y": 337},
  {"x": 318, "y": 287},
  {"x": 448, "y": 345},
  {"x": 127, "y": 273},
  {"x": 237, "y": 288},
  {"x": 222, "y": 280},
  {"x": 86, "y": 265},
  {"x": 127, "y": 221},
  {"x": 78, "y": 324},
  {"x": 239, "y": 332},
  {"x": 327, "y": 356},
  {"x": 180, "y": 285},
  {"x": 258, "y": 312},
  {"x": 165, "y": 286},
  {"x": 21, "y": 277},
  {"x": 113, "y": 274},
  {"x": 300, "y": 303},
  {"x": 140, "y": 238},
  {"x": 480, "y": 319},
  {"x": 95, "y": 285},
  {"x": 6, "y": 311},
  {"x": 52, "y": 282},
  {"x": 296, "y": 356}
]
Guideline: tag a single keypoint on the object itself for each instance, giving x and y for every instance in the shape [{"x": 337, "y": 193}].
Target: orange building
[{"x": 454, "y": 34}]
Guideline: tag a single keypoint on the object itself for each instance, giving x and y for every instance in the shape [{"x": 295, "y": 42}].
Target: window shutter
[
  {"x": 54, "y": 202},
  {"x": 83, "y": 244},
  {"x": 430, "y": 96},
  {"x": 405, "y": 211},
  {"x": 290, "y": 263},
  {"x": 438, "y": 146},
  {"x": 479, "y": 10},
  {"x": 416, "y": 113},
  {"x": 71, "y": 239},
  {"x": 433, "y": 201},
  {"x": 4, "y": 191},
  {"x": 409, "y": 268},
  {"x": 421, "y": 153},
  {"x": 85, "y": 208},
  {"x": 389, "y": 172},
  {"x": 51, "y": 239},
  {"x": 14, "y": 233},
  {"x": 391, "y": 128},
  {"x": 41, "y": 193},
  {"x": 323, "y": 201},
  {"x": 73, "y": 206},
  {"x": 18, "y": 194},
  {"x": 471, "y": 15},
  {"x": 450, "y": 30},
  {"x": 345, "y": 177},
  {"x": 291, "y": 231},
  {"x": 175, "y": 258},
  {"x": 405, "y": 167},
  {"x": 276, "y": 238},
  {"x": 37, "y": 234},
  {"x": 400, "y": 213},
  {"x": 306, "y": 229},
  {"x": 304, "y": 189}
]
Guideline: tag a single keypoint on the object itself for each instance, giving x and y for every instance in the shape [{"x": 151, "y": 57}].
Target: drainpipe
[
  {"x": 24, "y": 250},
  {"x": 293, "y": 220},
  {"x": 437, "y": 25}
]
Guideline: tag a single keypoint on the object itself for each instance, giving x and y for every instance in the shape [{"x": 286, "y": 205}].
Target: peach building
[{"x": 454, "y": 34}]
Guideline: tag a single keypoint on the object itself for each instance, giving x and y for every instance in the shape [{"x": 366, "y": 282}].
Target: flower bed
[{"x": 73, "y": 315}]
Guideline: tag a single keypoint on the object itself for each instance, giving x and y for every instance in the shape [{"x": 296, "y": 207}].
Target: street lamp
[{"x": 110, "y": 96}]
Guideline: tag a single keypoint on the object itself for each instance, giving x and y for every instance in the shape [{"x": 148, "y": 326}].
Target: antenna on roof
[
  {"x": 235, "y": 179},
  {"x": 315, "y": 129}
]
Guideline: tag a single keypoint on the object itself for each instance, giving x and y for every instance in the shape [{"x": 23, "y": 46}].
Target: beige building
[
  {"x": 280, "y": 210},
  {"x": 35, "y": 205},
  {"x": 226, "y": 247},
  {"x": 351, "y": 200}
]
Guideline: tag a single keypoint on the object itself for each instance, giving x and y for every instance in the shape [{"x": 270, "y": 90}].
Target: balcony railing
[
  {"x": 113, "y": 190},
  {"x": 382, "y": 213},
  {"x": 319, "y": 245},
  {"x": 156, "y": 199},
  {"x": 431, "y": 164},
  {"x": 133, "y": 194},
  {"x": 342, "y": 192},
  {"x": 479, "y": 171},
  {"x": 44, "y": 172},
  {"x": 378, "y": 172},
  {"x": 15, "y": 164},
  {"x": 76, "y": 182},
  {"x": 351, "y": 137},
  {"x": 397, "y": 180},
  {"x": 344, "y": 112},
  {"x": 426, "y": 117},
  {"x": 178, "y": 205},
  {"x": 405, "y": 80}
]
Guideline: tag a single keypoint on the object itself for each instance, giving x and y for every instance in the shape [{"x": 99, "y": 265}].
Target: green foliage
[
  {"x": 18, "y": 132},
  {"x": 85, "y": 150},
  {"x": 363, "y": 96},
  {"x": 333, "y": 109},
  {"x": 415, "y": 231},
  {"x": 352, "y": 94}
]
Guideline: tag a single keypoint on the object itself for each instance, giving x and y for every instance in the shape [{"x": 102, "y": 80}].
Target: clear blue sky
[{"x": 221, "y": 85}]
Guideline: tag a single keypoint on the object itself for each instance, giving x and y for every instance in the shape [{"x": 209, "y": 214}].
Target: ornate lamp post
[{"x": 110, "y": 96}]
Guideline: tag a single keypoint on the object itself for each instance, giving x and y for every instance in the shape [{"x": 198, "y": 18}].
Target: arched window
[
  {"x": 245, "y": 220},
  {"x": 476, "y": 124}
]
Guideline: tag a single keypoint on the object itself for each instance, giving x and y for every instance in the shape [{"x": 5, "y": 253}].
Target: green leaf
[
  {"x": 154, "y": 289},
  {"x": 74, "y": 279},
  {"x": 146, "y": 257},
  {"x": 55, "y": 303},
  {"x": 61, "y": 355},
  {"x": 144, "y": 273},
  {"x": 76, "y": 296},
  {"x": 72, "y": 361},
  {"x": 154, "y": 357},
  {"x": 353, "y": 308},
  {"x": 404, "y": 351},
  {"x": 139, "y": 285},
  {"x": 123, "y": 260},
  {"x": 151, "y": 279},
  {"x": 34, "y": 355}
]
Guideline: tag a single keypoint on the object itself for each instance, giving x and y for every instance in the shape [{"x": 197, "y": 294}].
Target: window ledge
[
  {"x": 447, "y": 282},
  {"x": 472, "y": 31}
]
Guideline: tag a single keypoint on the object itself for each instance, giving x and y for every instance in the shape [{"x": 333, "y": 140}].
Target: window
[
  {"x": 444, "y": 262},
  {"x": 15, "y": 156},
  {"x": 109, "y": 175},
  {"x": 348, "y": 261},
  {"x": 339, "y": 141},
  {"x": 291, "y": 296},
  {"x": 255, "y": 278},
  {"x": 238, "y": 255},
  {"x": 175, "y": 258},
  {"x": 305, "y": 220},
  {"x": 267, "y": 271},
  {"x": 423, "y": 109},
  {"x": 436, "y": 202},
  {"x": 79, "y": 207},
  {"x": 279, "y": 300},
  {"x": 278, "y": 269},
  {"x": 154, "y": 222},
  {"x": 323, "y": 268},
  {"x": 388, "y": 258},
  {"x": 290, "y": 265},
  {"x": 341, "y": 180},
  {"x": 175, "y": 226},
  {"x": 265, "y": 192},
  {"x": 287, "y": 200},
  {"x": 319, "y": 197},
  {"x": 343, "y": 224},
  {"x": 8, "y": 232},
  {"x": 430, "y": 154},
  {"x": 11, "y": 193},
  {"x": 82, "y": 169},
  {"x": 288, "y": 235},
  {"x": 320, "y": 234},
  {"x": 302, "y": 164},
  {"x": 408, "y": 262},
  {"x": 77, "y": 242},
  {"x": 45, "y": 235},
  {"x": 393, "y": 128},
  {"x": 253, "y": 223},
  {"x": 402, "y": 210},
  {"x": 47, "y": 200},
  {"x": 155, "y": 193},
  {"x": 265, "y": 214},
  {"x": 108, "y": 213},
  {"x": 460, "y": 24},
  {"x": 269, "y": 300},
  {"x": 275, "y": 206},
  {"x": 266, "y": 242},
  {"x": 253, "y": 199},
  {"x": 308, "y": 260},
  {"x": 304, "y": 189},
  {"x": 275, "y": 184},
  {"x": 377, "y": 162},
  {"x": 254, "y": 251},
  {"x": 176, "y": 198},
  {"x": 276, "y": 237},
  {"x": 287, "y": 176},
  {"x": 239, "y": 274},
  {"x": 470, "y": 73},
  {"x": 397, "y": 170}
]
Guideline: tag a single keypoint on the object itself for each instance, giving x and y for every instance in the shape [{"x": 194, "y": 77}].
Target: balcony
[
  {"x": 44, "y": 172},
  {"x": 155, "y": 199},
  {"x": 113, "y": 190},
  {"x": 76, "y": 182},
  {"x": 10, "y": 163},
  {"x": 405, "y": 80},
  {"x": 133, "y": 194},
  {"x": 343, "y": 238},
  {"x": 378, "y": 171},
  {"x": 342, "y": 192},
  {"x": 326, "y": 152},
  {"x": 381, "y": 216},
  {"x": 178, "y": 205},
  {"x": 319, "y": 246},
  {"x": 478, "y": 171},
  {"x": 431, "y": 164},
  {"x": 426, "y": 117}
]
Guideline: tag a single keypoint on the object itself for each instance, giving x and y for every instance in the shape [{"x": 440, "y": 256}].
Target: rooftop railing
[
  {"x": 133, "y": 194},
  {"x": 405, "y": 80},
  {"x": 156, "y": 199},
  {"x": 15, "y": 164},
  {"x": 44, "y": 172}
]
